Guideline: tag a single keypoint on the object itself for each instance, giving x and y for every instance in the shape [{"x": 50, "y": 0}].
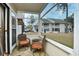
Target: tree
[
  {"x": 64, "y": 8},
  {"x": 30, "y": 27},
  {"x": 32, "y": 19},
  {"x": 70, "y": 19}
]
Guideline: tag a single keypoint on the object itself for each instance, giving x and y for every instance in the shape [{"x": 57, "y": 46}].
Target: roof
[
  {"x": 46, "y": 21},
  {"x": 53, "y": 21}
]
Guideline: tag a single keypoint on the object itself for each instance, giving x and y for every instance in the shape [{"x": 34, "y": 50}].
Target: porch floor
[
  {"x": 26, "y": 52},
  {"x": 55, "y": 51}
]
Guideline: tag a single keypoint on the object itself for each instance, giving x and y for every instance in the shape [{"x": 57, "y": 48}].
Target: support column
[
  {"x": 40, "y": 25},
  {"x": 50, "y": 27},
  {"x": 62, "y": 28},
  {"x": 76, "y": 31},
  {"x": 54, "y": 27}
]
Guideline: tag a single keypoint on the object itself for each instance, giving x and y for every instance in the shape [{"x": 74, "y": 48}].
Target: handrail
[{"x": 60, "y": 46}]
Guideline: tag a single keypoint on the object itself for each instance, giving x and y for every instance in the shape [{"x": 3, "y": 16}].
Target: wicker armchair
[
  {"x": 38, "y": 45},
  {"x": 23, "y": 41}
]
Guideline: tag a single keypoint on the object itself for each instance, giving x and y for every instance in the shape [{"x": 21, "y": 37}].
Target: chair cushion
[
  {"x": 24, "y": 42},
  {"x": 37, "y": 45}
]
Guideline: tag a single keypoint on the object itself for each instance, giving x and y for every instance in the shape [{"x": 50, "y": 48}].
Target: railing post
[{"x": 76, "y": 31}]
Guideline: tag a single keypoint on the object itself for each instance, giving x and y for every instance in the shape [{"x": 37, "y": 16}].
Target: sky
[
  {"x": 53, "y": 13},
  {"x": 58, "y": 14}
]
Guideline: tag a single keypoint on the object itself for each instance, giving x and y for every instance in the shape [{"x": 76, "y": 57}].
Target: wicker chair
[
  {"x": 38, "y": 45},
  {"x": 23, "y": 41}
]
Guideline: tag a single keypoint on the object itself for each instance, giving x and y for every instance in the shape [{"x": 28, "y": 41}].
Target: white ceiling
[{"x": 29, "y": 7}]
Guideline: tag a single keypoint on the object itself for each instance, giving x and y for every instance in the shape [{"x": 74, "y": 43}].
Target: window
[
  {"x": 45, "y": 30},
  {"x": 57, "y": 24},
  {"x": 52, "y": 29},
  {"x": 52, "y": 24},
  {"x": 57, "y": 29},
  {"x": 13, "y": 30},
  {"x": 45, "y": 24}
]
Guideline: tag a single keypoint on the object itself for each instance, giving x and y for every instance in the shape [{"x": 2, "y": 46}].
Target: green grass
[
  {"x": 32, "y": 33},
  {"x": 63, "y": 38}
]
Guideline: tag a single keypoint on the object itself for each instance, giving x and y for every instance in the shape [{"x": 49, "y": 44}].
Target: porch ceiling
[{"x": 28, "y": 7}]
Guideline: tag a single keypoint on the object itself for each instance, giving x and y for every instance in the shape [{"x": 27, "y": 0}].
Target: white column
[
  {"x": 62, "y": 27},
  {"x": 40, "y": 25},
  {"x": 76, "y": 31},
  {"x": 10, "y": 31},
  {"x": 54, "y": 27},
  {"x": 50, "y": 27}
]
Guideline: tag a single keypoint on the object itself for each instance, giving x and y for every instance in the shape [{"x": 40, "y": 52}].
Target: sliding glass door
[
  {"x": 2, "y": 27},
  {"x": 13, "y": 30}
]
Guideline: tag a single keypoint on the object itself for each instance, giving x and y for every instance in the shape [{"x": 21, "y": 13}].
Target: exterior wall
[
  {"x": 62, "y": 27},
  {"x": 56, "y": 26},
  {"x": 45, "y": 27},
  {"x": 50, "y": 26}
]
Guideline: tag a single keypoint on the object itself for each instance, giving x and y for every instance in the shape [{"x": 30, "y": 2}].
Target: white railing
[
  {"x": 58, "y": 45},
  {"x": 61, "y": 46}
]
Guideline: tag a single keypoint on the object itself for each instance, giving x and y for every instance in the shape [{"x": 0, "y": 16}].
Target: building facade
[{"x": 54, "y": 25}]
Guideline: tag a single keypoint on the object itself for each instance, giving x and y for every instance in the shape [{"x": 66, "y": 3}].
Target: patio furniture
[
  {"x": 38, "y": 45},
  {"x": 23, "y": 41}
]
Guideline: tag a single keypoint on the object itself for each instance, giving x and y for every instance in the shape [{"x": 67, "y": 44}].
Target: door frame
[
  {"x": 6, "y": 40},
  {"x": 3, "y": 28}
]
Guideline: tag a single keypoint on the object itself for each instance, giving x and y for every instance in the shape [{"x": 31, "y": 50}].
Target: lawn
[
  {"x": 32, "y": 33},
  {"x": 63, "y": 38}
]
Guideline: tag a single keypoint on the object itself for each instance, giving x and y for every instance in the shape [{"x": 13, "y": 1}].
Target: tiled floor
[{"x": 26, "y": 52}]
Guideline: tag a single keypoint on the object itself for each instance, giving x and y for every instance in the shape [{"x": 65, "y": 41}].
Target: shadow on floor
[{"x": 26, "y": 52}]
